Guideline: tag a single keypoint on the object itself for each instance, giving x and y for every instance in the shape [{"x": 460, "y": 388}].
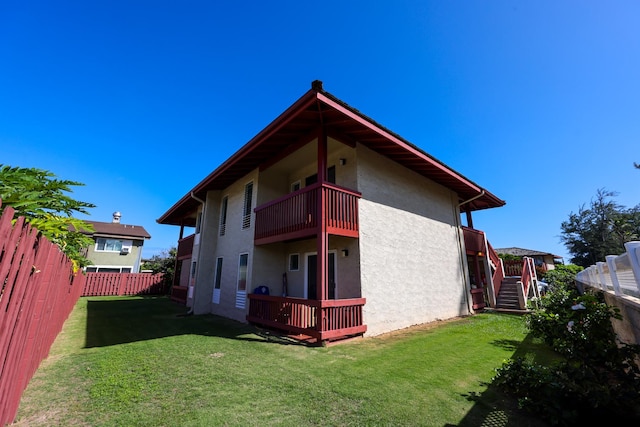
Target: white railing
[{"x": 620, "y": 274}]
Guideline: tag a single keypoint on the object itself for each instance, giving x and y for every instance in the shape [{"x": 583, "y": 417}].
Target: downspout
[
  {"x": 204, "y": 205},
  {"x": 477, "y": 196}
]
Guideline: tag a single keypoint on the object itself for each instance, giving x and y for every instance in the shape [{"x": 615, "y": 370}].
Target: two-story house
[
  {"x": 117, "y": 247},
  {"x": 348, "y": 227}
]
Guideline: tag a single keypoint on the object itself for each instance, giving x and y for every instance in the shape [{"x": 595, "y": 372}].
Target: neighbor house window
[
  {"x": 94, "y": 269},
  {"x": 113, "y": 245},
  {"x": 246, "y": 212},
  {"x": 223, "y": 215},
  {"x": 294, "y": 262}
]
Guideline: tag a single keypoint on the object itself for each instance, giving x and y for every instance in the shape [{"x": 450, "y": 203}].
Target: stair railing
[
  {"x": 498, "y": 274},
  {"x": 528, "y": 284}
]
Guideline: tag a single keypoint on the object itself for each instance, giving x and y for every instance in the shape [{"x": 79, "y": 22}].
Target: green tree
[
  {"x": 41, "y": 199},
  {"x": 599, "y": 230},
  {"x": 162, "y": 263}
]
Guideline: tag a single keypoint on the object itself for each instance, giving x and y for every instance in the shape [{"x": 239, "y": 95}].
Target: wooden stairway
[{"x": 507, "y": 298}]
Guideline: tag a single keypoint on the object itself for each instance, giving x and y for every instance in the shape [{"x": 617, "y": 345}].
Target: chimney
[{"x": 116, "y": 217}]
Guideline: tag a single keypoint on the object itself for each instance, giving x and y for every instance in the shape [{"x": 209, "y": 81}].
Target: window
[
  {"x": 199, "y": 223},
  {"x": 217, "y": 282},
  {"x": 223, "y": 215},
  {"x": 246, "y": 213},
  {"x": 241, "y": 291},
  {"x": 218, "y": 279},
  {"x": 294, "y": 262},
  {"x": 95, "y": 269},
  {"x": 113, "y": 245},
  {"x": 192, "y": 277},
  {"x": 242, "y": 272}
]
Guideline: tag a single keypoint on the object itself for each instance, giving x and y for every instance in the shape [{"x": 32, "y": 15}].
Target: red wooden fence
[
  {"x": 106, "y": 284},
  {"x": 38, "y": 290}
]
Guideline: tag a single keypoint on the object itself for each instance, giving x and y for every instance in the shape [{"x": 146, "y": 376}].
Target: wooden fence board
[
  {"x": 112, "y": 284},
  {"x": 38, "y": 291}
]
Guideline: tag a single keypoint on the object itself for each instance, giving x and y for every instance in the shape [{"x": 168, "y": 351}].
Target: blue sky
[{"x": 537, "y": 101}]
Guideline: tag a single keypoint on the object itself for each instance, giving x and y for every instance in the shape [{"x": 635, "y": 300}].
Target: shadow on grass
[
  {"x": 126, "y": 320},
  {"x": 493, "y": 408}
]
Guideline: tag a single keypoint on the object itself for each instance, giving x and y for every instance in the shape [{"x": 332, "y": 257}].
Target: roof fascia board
[
  {"x": 303, "y": 102},
  {"x": 273, "y": 127},
  {"x": 396, "y": 140}
]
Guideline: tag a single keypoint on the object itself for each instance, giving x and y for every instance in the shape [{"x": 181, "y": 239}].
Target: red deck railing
[
  {"x": 296, "y": 215},
  {"x": 475, "y": 242},
  {"x": 338, "y": 318},
  {"x": 185, "y": 247}
]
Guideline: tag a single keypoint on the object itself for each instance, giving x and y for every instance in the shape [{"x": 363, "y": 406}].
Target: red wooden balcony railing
[
  {"x": 295, "y": 215},
  {"x": 340, "y": 318},
  {"x": 185, "y": 247}
]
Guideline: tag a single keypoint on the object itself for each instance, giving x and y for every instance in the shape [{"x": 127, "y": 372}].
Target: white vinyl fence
[{"x": 620, "y": 274}]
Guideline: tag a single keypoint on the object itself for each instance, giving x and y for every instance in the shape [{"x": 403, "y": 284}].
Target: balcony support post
[{"x": 322, "y": 236}]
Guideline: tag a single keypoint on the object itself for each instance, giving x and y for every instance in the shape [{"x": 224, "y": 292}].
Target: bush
[{"x": 598, "y": 373}]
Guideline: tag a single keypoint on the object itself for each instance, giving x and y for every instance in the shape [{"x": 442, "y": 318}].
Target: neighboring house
[
  {"x": 544, "y": 260},
  {"x": 349, "y": 228},
  {"x": 117, "y": 248}
]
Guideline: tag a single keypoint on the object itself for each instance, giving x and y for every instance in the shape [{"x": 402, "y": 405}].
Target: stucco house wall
[
  {"x": 116, "y": 259},
  {"x": 411, "y": 266},
  {"x": 235, "y": 241}
]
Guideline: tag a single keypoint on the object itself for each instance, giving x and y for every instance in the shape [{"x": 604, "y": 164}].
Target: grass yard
[{"x": 129, "y": 361}]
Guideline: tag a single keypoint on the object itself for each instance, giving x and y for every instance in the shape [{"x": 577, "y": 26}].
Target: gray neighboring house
[
  {"x": 545, "y": 260},
  {"x": 117, "y": 248}
]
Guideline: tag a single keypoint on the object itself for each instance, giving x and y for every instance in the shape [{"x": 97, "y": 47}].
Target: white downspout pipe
[{"x": 204, "y": 205}]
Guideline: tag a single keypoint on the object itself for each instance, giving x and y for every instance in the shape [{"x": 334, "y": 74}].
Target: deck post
[{"x": 322, "y": 237}]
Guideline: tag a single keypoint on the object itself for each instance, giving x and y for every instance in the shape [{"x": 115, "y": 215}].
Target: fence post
[
  {"x": 633, "y": 248},
  {"x": 611, "y": 262},
  {"x": 122, "y": 284},
  {"x": 602, "y": 279}
]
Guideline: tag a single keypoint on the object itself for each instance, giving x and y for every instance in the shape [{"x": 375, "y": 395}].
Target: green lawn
[{"x": 123, "y": 361}]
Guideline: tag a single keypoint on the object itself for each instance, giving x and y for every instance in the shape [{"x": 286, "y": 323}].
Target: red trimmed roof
[{"x": 318, "y": 107}]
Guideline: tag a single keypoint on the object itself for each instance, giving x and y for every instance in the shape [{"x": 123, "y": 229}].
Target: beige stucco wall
[
  {"x": 411, "y": 266},
  {"x": 235, "y": 242}
]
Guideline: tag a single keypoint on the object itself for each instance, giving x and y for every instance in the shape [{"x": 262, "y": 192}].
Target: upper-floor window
[
  {"x": 199, "y": 223},
  {"x": 246, "y": 212},
  {"x": 113, "y": 245},
  {"x": 223, "y": 215}
]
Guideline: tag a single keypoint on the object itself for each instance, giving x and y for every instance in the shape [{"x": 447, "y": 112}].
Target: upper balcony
[{"x": 297, "y": 215}]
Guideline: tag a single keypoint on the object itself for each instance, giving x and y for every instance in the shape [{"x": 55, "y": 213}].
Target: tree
[
  {"x": 164, "y": 263},
  {"x": 600, "y": 230},
  {"x": 41, "y": 199}
]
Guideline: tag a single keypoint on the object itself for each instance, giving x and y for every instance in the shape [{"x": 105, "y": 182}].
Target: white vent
[{"x": 241, "y": 298}]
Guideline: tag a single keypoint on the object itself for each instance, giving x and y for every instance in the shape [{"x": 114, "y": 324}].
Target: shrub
[{"x": 598, "y": 374}]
